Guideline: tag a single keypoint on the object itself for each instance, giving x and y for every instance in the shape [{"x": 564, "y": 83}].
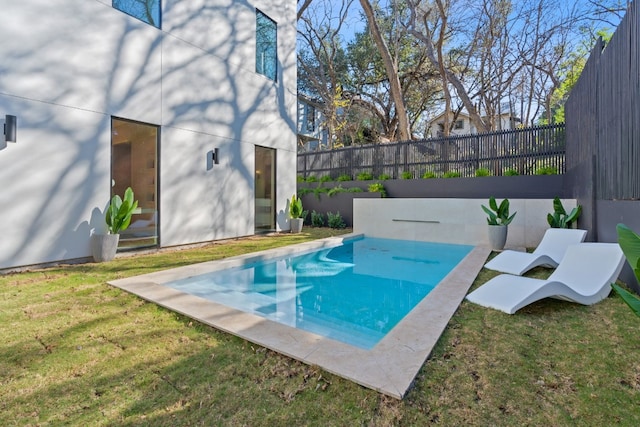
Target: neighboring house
[
  {"x": 462, "y": 124},
  {"x": 312, "y": 134},
  {"x": 193, "y": 105}
]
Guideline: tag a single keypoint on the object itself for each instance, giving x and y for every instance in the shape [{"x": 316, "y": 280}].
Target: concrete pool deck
[{"x": 390, "y": 367}]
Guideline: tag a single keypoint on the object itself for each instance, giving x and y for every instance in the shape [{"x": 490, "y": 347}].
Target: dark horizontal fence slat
[{"x": 524, "y": 150}]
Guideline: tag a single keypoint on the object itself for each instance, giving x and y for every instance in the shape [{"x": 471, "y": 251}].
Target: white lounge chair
[
  {"x": 584, "y": 276},
  {"x": 549, "y": 252}
]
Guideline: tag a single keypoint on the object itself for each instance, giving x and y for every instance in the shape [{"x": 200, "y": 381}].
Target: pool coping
[{"x": 390, "y": 367}]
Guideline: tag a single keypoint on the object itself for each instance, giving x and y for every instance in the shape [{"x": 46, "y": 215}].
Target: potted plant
[
  {"x": 117, "y": 218},
  {"x": 297, "y": 214},
  {"x": 560, "y": 218},
  {"x": 498, "y": 220}
]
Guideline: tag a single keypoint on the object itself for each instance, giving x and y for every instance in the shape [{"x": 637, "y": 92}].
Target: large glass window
[
  {"x": 266, "y": 46},
  {"x": 145, "y": 10},
  {"x": 134, "y": 163},
  {"x": 265, "y": 184}
]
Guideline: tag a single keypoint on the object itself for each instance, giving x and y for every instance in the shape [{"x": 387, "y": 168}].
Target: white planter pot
[
  {"x": 104, "y": 246},
  {"x": 497, "y": 237},
  {"x": 296, "y": 225}
]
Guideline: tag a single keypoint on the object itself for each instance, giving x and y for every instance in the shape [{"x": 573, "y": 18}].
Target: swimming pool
[
  {"x": 389, "y": 367},
  {"x": 355, "y": 292}
]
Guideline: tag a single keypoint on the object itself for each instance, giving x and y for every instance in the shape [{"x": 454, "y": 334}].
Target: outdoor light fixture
[
  {"x": 10, "y": 128},
  {"x": 213, "y": 158}
]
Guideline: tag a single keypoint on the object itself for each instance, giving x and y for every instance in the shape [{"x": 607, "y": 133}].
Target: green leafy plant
[
  {"x": 364, "y": 176},
  {"x": 384, "y": 177},
  {"x": 483, "y": 172},
  {"x": 547, "y": 170},
  {"x": 320, "y": 190},
  {"x": 498, "y": 214},
  {"x": 344, "y": 177},
  {"x": 325, "y": 178},
  {"x": 118, "y": 215},
  {"x": 304, "y": 190},
  {"x": 429, "y": 175},
  {"x": 511, "y": 172},
  {"x": 317, "y": 219},
  {"x": 377, "y": 188},
  {"x": 451, "y": 174},
  {"x": 630, "y": 244},
  {"x": 299, "y": 178},
  {"x": 407, "y": 175},
  {"x": 335, "y": 190},
  {"x": 559, "y": 218},
  {"x": 312, "y": 178},
  {"x": 295, "y": 207},
  {"x": 335, "y": 220}
]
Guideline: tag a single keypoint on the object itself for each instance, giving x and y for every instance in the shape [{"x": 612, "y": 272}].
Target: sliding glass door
[{"x": 134, "y": 163}]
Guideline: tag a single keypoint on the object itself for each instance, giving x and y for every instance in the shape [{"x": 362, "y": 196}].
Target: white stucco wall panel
[
  {"x": 200, "y": 204},
  {"x": 80, "y": 54},
  {"x": 56, "y": 184},
  {"x": 459, "y": 221},
  {"x": 224, "y": 29}
]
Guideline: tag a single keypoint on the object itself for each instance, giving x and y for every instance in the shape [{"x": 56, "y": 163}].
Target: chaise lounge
[
  {"x": 549, "y": 252},
  {"x": 584, "y": 276}
]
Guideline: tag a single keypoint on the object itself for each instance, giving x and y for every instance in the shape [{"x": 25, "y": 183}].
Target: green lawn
[{"x": 75, "y": 351}]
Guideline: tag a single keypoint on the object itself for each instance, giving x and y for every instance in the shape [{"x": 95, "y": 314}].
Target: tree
[
  {"x": 391, "y": 67},
  {"x": 322, "y": 66}
]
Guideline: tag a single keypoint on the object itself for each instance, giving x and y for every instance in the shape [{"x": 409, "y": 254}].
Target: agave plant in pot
[
  {"x": 498, "y": 220},
  {"x": 296, "y": 213},
  {"x": 117, "y": 218}
]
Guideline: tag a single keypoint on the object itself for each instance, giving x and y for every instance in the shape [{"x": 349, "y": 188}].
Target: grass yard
[{"x": 76, "y": 351}]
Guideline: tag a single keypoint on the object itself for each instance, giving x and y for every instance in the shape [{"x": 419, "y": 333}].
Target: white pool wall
[{"x": 459, "y": 221}]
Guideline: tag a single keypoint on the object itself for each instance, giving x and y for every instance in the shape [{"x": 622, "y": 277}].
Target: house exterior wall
[
  {"x": 68, "y": 67},
  {"x": 311, "y": 130}
]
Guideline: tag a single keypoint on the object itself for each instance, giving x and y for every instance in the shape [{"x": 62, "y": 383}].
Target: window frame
[
  {"x": 266, "y": 46},
  {"x": 156, "y": 25}
]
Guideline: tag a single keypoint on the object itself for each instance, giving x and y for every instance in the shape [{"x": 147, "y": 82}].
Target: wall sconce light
[
  {"x": 10, "y": 128},
  {"x": 213, "y": 158}
]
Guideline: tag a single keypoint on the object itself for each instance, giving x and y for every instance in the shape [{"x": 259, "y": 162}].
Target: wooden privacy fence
[{"x": 526, "y": 151}]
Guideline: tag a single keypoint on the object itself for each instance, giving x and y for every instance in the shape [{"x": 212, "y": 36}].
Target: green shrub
[
  {"x": 335, "y": 190},
  {"x": 511, "y": 172},
  {"x": 429, "y": 175},
  {"x": 364, "y": 176},
  {"x": 377, "y": 188},
  {"x": 407, "y": 175},
  {"x": 344, "y": 177},
  {"x": 335, "y": 220},
  {"x": 355, "y": 190},
  {"x": 312, "y": 178},
  {"x": 547, "y": 170},
  {"x": 325, "y": 178},
  {"x": 384, "y": 177},
  {"x": 299, "y": 178},
  {"x": 483, "y": 172},
  {"x": 303, "y": 191},
  {"x": 317, "y": 219},
  {"x": 451, "y": 174},
  {"x": 319, "y": 190}
]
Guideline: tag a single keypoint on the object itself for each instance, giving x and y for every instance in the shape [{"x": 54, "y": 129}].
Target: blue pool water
[{"x": 355, "y": 293}]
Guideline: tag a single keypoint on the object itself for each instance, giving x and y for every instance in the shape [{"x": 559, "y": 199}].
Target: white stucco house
[
  {"x": 192, "y": 103},
  {"x": 312, "y": 133},
  {"x": 462, "y": 124}
]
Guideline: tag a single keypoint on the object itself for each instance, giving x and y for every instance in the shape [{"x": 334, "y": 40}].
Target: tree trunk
[{"x": 404, "y": 131}]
